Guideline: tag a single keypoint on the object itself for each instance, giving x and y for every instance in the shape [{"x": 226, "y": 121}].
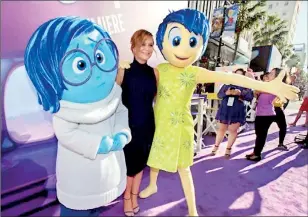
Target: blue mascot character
[{"x": 72, "y": 64}]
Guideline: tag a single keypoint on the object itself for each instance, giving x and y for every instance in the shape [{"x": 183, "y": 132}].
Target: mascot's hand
[
  {"x": 106, "y": 145},
  {"x": 124, "y": 64},
  {"x": 119, "y": 141},
  {"x": 282, "y": 90}
]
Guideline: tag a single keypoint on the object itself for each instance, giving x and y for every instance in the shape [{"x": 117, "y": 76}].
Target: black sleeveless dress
[{"x": 138, "y": 92}]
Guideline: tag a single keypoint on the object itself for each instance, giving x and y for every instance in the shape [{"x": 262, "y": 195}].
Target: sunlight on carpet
[
  {"x": 161, "y": 209},
  {"x": 243, "y": 202}
]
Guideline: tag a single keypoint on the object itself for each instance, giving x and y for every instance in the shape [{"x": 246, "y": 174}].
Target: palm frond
[
  {"x": 256, "y": 6},
  {"x": 252, "y": 20},
  {"x": 279, "y": 29},
  {"x": 251, "y": 15},
  {"x": 273, "y": 32},
  {"x": 280, "y": 35}
]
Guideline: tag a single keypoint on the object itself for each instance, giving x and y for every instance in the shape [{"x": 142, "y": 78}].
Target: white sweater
[{"x": 85, "y": 179}]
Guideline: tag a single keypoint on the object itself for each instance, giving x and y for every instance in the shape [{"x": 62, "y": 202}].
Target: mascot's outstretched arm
[
  {"x": 275, "y": 87},
  {"x": 182, "y": 37}
]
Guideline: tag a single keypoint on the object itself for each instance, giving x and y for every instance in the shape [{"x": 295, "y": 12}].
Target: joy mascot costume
[
  {"x": 182, "y": 38},
  {"x": 72, "y": 64}
]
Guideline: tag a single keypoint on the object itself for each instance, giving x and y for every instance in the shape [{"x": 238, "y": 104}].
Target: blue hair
[
  {"x": 193, "y": 20},
  {"x": 44, "y": 52}
]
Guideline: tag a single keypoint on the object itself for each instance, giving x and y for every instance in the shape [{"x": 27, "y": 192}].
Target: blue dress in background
[{"x": 236, "y": 113}]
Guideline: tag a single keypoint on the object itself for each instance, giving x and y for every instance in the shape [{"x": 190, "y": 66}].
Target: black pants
[
  {"x": 262, "y": 124},
  {"x": 282, "y": 124}
]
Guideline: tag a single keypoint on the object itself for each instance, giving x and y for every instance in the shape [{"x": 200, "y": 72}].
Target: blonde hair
[{"x": 139, "y": 37}]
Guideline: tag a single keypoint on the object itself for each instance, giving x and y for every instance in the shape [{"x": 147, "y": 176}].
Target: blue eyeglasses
[{"x": 82, "y": 64}]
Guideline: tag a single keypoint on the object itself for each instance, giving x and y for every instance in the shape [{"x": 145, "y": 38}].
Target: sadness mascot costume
[
  {"x": 182, "y": 38},
  {"x": 72, "y": 64}
]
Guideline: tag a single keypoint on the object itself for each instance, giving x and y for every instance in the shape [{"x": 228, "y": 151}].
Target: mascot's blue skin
[
  {"x": 99, "y": 85},
  {"x": 76, "y": 67},
  {"x": 58, "y": 72},
  {"x": 46, "y": 76}
]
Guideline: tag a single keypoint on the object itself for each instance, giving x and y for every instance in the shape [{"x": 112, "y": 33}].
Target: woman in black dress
[{"x": 138, "y": 91}]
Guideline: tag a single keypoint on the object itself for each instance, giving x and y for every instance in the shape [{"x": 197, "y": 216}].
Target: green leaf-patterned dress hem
[{"x": 173, "y": 143}]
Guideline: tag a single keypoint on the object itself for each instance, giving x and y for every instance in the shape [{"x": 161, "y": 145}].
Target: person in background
[
  {"x": 265, "y": 116},
  {"x": 302, "y": 109},
  {"x": 231, "y": 113},
  {"x": 291, "y": 80},
  {"x": 280, "y": 116},
  {"x": 251, "y": 105},
  {"x": 198, "y": 89},
  {"x": 249, "y": 73},
  {"x": 279, "y": 111},
  {"x": 138, "y": 91}
]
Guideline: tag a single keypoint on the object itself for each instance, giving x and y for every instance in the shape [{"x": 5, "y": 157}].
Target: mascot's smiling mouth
[{"x": 181, "y": 58}]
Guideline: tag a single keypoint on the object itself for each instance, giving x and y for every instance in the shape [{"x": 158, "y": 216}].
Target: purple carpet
[{"x": 275, "y": 186}]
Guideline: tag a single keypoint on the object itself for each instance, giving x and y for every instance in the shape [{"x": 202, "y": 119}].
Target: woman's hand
[
  {"x": 237, "y": 92},
  {"x": 229, "y": 92}
]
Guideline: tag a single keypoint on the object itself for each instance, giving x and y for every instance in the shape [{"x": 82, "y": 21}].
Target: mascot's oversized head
[
  {"x": 72, "y": 59},
  {"x": 182, "y": 37}
]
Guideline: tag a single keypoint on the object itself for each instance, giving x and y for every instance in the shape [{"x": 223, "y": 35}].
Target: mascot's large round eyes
[
  {"x": 175, "y": 37},
  {"x": 99, "y": 57},
  {"x": 193, "y": 40},
  {"x": 79, "y": 65}
]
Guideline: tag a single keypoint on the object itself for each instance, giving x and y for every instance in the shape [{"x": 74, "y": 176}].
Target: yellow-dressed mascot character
[{"x": 182, "y": 38}]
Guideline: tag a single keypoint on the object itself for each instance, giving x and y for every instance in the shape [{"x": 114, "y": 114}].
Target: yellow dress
[{"x": 173, "y": 143}]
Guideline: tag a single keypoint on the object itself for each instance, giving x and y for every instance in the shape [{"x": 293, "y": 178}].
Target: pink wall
[{"x": 19, "y": 19}]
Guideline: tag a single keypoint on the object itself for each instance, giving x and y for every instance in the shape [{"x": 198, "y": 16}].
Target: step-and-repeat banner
[
  {"x": 19, "y": 19},
  {"x": 24, "y": 119}
]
